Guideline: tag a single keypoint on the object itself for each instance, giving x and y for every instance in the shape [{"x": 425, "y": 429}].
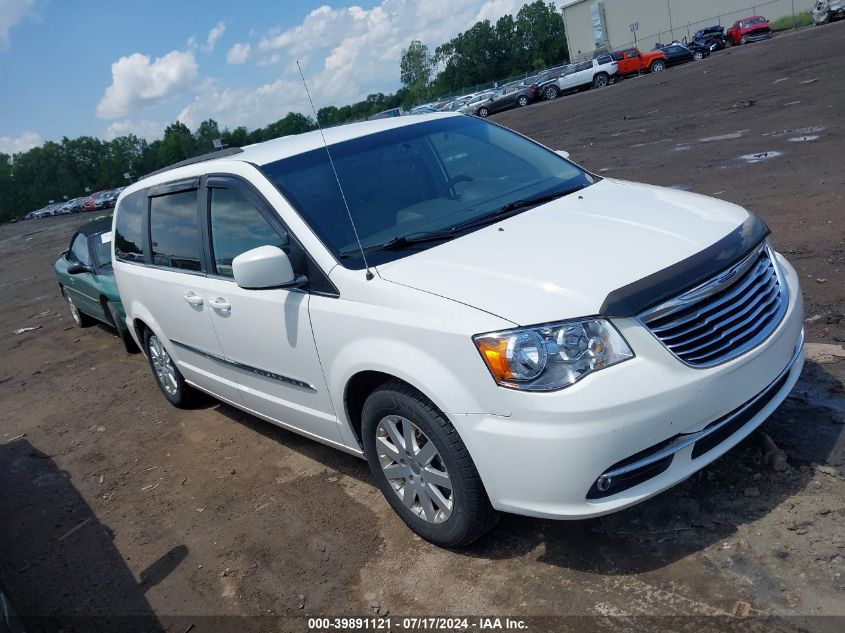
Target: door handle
[
  {"x": 220, "y": 304},
  {"x": 193, "y": 298}
]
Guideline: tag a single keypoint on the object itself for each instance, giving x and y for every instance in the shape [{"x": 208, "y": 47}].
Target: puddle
[
  {"x": 759, "y": 157},
  {"x": 812, "y": 129},
  {"x": 801, "y": 139},
  {"x": 723, "y": 137}
]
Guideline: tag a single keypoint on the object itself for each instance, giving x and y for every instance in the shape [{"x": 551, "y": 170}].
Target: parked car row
[
  {"x": 364, "y": 302},
  {"x": 98, "y": 201},
  {"x": 606, "y": 68}
]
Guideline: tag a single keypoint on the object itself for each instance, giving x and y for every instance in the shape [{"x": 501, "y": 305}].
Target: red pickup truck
[{"x": 632, "y": 60}]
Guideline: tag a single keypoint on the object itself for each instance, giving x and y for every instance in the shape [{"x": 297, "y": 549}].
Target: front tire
[
  {"x": 743, "y": 40},
  {"x": 552, "y": 93},
  {"x": 698, "y": 56},
  {"x": 168, "y": 377},
  {"x": 423, "y": 468},
  {"x": 522, "y": 101},
  {"x": 600, "y": 80},
  {"x": 80, "y": 319}
]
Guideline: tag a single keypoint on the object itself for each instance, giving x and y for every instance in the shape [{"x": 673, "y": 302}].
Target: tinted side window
[
  {"x": 79, "y": 251},
  {"x": 604, "y": 59},
  {"x": 236, "y": 227},
  {"x": 174, "y": 231},
  {"x": 128, "y": 235}
]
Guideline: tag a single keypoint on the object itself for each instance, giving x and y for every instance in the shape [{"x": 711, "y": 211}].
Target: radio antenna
[{"x": 331, "y": 162}]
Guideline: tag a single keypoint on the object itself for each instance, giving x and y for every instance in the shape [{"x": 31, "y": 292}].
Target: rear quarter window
[{"x": 129, "y": 227}]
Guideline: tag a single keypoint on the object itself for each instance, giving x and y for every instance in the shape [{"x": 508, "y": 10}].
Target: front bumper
[
  {"x": 756, "y": 37},
  {"x": 546, "y": 458}
]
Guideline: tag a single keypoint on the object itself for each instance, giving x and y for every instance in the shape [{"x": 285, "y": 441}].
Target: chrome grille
[{"x": 724, "y": 317}]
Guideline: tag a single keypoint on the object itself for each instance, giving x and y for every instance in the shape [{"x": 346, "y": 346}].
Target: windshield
[
  {"x": 422, "y": 178},
  {"x": 101, "y": 245}
]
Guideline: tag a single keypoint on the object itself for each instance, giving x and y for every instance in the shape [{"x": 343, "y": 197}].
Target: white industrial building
[{"x": 593, "y": 25}]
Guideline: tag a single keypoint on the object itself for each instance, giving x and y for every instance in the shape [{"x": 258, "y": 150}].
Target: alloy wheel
[
  {"x": 414, "y": 469},
  {"x": 74, "y": 311},
  {"x": 163, "y": 365}
]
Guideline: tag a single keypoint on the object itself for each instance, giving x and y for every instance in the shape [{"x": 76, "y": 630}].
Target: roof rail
[{"x": 229, "y": 151}]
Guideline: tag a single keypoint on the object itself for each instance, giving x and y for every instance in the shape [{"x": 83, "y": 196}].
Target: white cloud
[
  {"x": 26, "y": 140},
  {"x": 148, "y": 130},
  {"x": 346, "y": 53},
  {"x": 238, "y": 54},
  {"x": 257, "y": 107},
  {"x": 360, "y": 48},
  {"x": 213, "y": 35},
  {"x": 494, "y": 9},
  {"x": 138, "y": 83},
  {"x": 11, "y": 12}
]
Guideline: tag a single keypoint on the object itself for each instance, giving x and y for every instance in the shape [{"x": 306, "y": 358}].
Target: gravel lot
[{"x": 112, "y": 503}]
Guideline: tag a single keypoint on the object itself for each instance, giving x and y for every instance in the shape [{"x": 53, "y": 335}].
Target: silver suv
[{"x": 597, "y": 73}]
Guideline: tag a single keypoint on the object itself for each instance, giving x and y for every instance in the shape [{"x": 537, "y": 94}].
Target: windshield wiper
[
  {"x": 402, "y": 242},
  {"x": 507, "y": 209}
]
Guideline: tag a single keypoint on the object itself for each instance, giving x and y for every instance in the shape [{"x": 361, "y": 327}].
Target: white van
[{"x": 491, "y": 326}]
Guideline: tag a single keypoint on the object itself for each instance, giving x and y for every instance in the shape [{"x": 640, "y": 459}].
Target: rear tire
[
  {"x": 698, "y": 56},
  {"x": 482, "y": 112},
  {"x": 743, "y": 40},
  {"x": 522, "y": 101},
  {"x": 600, "y": 80},
  {"x": 436, "y": 489},
  {"x": 168, "y": 377},
  {"x": 658, "y": 66}
]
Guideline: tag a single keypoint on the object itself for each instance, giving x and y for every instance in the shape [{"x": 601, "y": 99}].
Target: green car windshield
[{"x": 101, "y": 245}]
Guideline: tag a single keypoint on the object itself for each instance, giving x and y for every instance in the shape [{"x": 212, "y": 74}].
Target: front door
[
  {"x": 79, "y": 287},
  {"x": 265, "y": 334}
]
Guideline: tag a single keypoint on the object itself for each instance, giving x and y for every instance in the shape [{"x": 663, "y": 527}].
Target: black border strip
[
  {"x": 644, "y": 293},
  {"x": 255, "y": 370}
]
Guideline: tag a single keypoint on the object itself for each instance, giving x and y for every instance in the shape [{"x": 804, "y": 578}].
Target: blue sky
[{"x": 105, "y": 68}]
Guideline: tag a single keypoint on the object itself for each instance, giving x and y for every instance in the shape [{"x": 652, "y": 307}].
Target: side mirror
[
  {"x": 264, "y": 267},
  {"x": 77, "y": 268},
  {"x": 563, "y": 153}
]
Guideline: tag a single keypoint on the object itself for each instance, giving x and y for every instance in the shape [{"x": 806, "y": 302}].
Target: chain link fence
[{"x": 684, "y": 32}]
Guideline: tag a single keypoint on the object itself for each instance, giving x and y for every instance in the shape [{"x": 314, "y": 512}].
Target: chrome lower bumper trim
[{"x": 683, "y": 441}]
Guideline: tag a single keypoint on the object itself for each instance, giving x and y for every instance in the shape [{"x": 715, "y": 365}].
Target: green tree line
[{"x": 531, "y": 40}]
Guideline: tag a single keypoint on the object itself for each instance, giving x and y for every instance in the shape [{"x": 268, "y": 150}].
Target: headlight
[{"x": 551, "y": 356}]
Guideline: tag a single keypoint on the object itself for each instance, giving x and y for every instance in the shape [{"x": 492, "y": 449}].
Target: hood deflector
[{"x": 644, "y": 293}]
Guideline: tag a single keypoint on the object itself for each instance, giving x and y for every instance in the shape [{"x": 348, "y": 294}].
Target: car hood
[{"x": 561, "y": 260}]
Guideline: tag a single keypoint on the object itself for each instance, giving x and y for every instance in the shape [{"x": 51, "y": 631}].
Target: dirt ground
[{"x": 112, "y": 503}]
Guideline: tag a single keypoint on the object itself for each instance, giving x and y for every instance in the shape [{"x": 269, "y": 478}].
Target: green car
[{"x": 87, "y": 282}]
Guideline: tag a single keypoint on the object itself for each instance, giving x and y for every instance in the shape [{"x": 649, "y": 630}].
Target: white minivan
[{"x": 492, "y": 327}]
